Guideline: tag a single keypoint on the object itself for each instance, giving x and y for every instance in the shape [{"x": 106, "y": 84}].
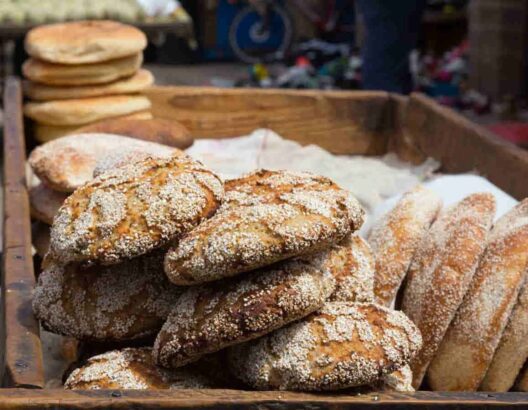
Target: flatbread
[
  {"x": 84, "y": 110},
  {"x": 99, "y": 73},
  {"x": 83, "y": 42},
  {"x": 134, "y": 84}
]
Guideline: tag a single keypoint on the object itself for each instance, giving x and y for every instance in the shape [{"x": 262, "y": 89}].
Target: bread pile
[
  {"x": 263, "y": 275},
  {"x": 81, "y": 72},
  {"x": 464, "y": 287}
]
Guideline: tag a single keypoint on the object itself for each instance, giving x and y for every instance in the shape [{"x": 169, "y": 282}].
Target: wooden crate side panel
[
  {"x": 23, "y": 354},
  {"x": 463, "y": 146},
  {"x": 340, "y": 122},
  {"x": 245, "y": 400}
]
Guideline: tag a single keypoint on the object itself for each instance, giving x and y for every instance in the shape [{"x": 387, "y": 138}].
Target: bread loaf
[
  {"x": 266, "y": 217},
  {"x": 442, "y": 270},
  {"x": 134, "y": 209},
  {"x": 468, "y": 346},
  {"x": 343, "y": 345},
  {"x": 396, "y": 236},
  {"x": 206, "y": 319}
]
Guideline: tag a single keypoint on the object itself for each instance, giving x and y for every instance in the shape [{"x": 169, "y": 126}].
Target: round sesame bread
[
  {"x": 42, "y": 73},
  {"x": 396, "y": 236},
  {"x": 129, "y": 85},
  {"x": 132, "y": 368},
  {"x": 81, "y": 111},
  {"x": 352, "y": 264},
  {"x": 82, "y": 42},
  {"x": 44, "y": 133},
  {"x": 442, "y": 270},
  {"x": 133, "y": 209},
  {"x": 468, "y": 346},
  {"x": 512, "y": 351},
  {"x": 40, "y": 238},
  {"x": 44, "y": 202},
  {"x": 266, "y": 217},
  {"x": 158, "y": 130},
  {"x": 110, "y": 303},
  {"x": 208, "y": 318},
  {"x": 398, "y": 381},
  {"x": 68, "y": 163},
  {"x": 342, "y": 345}
]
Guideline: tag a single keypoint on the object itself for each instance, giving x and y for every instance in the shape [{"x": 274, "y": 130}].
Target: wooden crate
[{"x": 341, "y": 122}]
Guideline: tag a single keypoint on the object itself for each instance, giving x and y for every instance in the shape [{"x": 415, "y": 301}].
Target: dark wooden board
[
  {"x": 245, "y": 400},
  {"x": 23, "y": 354}
]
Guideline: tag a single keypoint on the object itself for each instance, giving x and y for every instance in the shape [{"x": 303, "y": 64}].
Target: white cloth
[{"x": 156, "y": 8}]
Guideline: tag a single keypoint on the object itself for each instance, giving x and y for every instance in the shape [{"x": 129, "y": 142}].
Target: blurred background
[{"x": 467, "y": 54}]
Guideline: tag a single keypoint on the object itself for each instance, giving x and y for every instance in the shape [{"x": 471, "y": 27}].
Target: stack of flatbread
[{"x": 82, "y": 72}]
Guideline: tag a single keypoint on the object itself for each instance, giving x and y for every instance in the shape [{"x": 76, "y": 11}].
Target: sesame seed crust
[
  {"x": 132, "y": 368},
  {"x": 342, "y": 345},
  {"x": 209, "y": 318},
  {"x": 442, "y": 270},
  {"x": 105, "y": 303},
  {"x": 67, "y": 163},
  {"x": 133, "y": 209},
  {"x": 266, "y": 217},
  {"x": 396, "y": 236},
  {"x": 468, "y": 346}
]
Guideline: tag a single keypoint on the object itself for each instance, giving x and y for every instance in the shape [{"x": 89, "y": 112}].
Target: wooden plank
[
  {"x": 341, "y": 122},
  {"x": 235, "y": 399},
  {"x": 23, "y": 354},
  {"x": 463, "y": 146}
]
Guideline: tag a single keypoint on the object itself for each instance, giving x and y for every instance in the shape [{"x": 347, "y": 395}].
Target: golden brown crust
[
  {"x": 44, "y": 73},
  {"x": 396, "y": 236},
  {"x": 342, "y": 345},
  {"x": 158, "y": 130},
  {"x": 116, "y": 303},
  {"x": 442, "y": 269},
  {"x": 68, "y": 163},
  {"x": 512, "y": 351},
  {"x": 129, "y": 85},
  {"x": 468, "y": 346},
  {"x": 266, "y": 217},
  {"x": 133, "y": 209},
  {"x": 82, "y": 42},
  {"x": 83, "y": 111},
  {"x": 208, "y": 318},
  {"x": 351, "y": 263},
  {"x": 132, "y": 368},
  {"x": 45, "y": 133}
]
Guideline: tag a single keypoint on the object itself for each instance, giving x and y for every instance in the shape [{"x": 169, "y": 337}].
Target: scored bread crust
[
  {"x": 113, "y": 303},
  {"x": 208, "y": 318},
  {"x": 266, "y": 217},
  {"x": 81, "y": 111},
  {"x": 134, "y": 209},
  {"x": 342, "y": 345},
  {"x": 512, "y": 351},
  {"x": 129, "y": 85},
  {"x": 43, "y": 73},
  {"x": 352, "y": 265},
  {"x": 82, "y": 42},
  {"x": 45, "y": 133},
  {"x": 468, "y": 346},
  {"x": 132, "y": 368},
  {"x": 396, "y": 236},
  {"x": 442, "y": 270},
  {"x": 68, "y": 163},
  {"x": 158, "y": 130}
]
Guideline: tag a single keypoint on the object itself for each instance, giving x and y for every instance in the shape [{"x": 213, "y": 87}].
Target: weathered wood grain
[
  {"x": 463, "y": 146},
  {"x": 23, "y": 354},
  {"x": 340, "y": 122}
]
